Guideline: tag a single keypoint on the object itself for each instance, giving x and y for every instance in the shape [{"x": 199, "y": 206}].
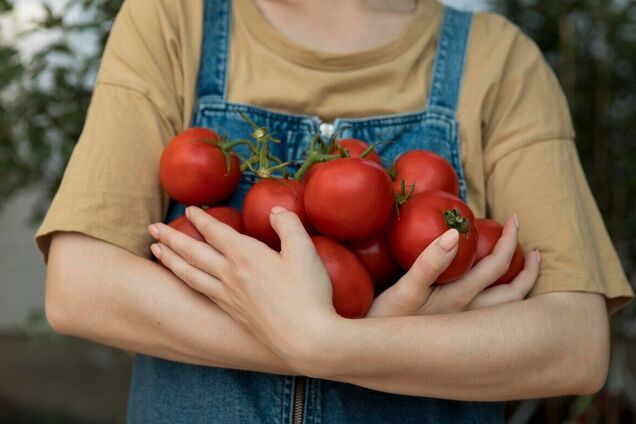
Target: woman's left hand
[
  {"x": 417, "y": 294},
  {"x": 283, "y": 299}
]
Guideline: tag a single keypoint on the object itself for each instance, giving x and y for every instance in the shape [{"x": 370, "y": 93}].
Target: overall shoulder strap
[
  {"x": 448, "y": 71},
  {"x": 215, "y": 48}
]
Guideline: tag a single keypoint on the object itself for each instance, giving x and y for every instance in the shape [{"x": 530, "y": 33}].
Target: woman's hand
[
  {"x": 284, "y": 298},
  {"x": 416, "y": 294}
]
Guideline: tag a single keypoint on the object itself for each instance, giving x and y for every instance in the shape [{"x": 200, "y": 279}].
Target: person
[{"x": 230, "y": 331}]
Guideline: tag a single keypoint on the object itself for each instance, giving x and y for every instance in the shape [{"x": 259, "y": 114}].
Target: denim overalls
[{"x": 170, "y": 392}]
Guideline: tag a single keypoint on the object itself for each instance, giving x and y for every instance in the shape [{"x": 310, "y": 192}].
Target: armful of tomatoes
[{"x": 401, "y": 236}]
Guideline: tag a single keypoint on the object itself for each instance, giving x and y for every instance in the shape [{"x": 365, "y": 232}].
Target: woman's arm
[
  {"x": 551, "y": 345},
  {"x": 103, "y": 293}
]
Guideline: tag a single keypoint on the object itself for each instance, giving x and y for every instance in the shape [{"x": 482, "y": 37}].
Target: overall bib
[{"x": 169, "y": 392}]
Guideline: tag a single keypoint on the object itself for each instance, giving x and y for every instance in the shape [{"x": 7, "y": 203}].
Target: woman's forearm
[
  {"x": 103, "y": 293},
  {"x": 551, "y": 345}
]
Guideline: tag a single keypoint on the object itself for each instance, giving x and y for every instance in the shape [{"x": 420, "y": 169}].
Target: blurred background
[{"x": 49, "y": 56}]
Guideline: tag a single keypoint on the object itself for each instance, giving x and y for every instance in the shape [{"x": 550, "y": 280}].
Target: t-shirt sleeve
[
  {"x": 110, "y": 189},
  {"x": 532, "y": 169}
]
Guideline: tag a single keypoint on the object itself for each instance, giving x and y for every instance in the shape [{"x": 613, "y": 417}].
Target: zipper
[{"x": 299, "y": 400}]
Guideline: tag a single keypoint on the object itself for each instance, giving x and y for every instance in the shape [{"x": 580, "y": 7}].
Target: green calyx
[
  {"x": 226, "y": 146},
  {"x": 344, "y": 153},
  {"x": 319, "y": 151},
  {"x": 455, "y": 220}
]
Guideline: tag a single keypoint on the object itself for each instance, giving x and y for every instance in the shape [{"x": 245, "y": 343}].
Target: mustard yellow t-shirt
[{"x": 516, "y": 133}]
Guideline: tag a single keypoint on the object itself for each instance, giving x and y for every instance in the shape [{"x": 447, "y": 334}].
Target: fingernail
[
  {"x": 156, "y": 250},
  {"x": 278, "y": 209},
  {"x": 516, "y": 219},
  {"x": 187, "y": 212},
  {"x": 154, "y": 230},
  {"x": 538, "y": 255},
  {"x": 448, "y": 240}
]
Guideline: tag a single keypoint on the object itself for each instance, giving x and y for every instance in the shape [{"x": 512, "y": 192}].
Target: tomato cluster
[{"x": 368, "y": 224}]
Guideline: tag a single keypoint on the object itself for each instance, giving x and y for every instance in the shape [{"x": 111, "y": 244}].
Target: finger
[
  {"x": 490, "y": 268},
  {"x": 294, "y": 240},
  {"x": 199, "y": 254},
  {"x": 514, "y": 291},
  {"x": 198, "y": 280},
  {"x": 429, "y": 265},
  {"x": 218, "y": 234}
]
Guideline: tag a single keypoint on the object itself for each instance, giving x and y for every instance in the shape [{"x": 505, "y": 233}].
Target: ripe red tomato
[
  {"x": 349, "y": 199},
  {"x": 375, "y": 255},
  {"x": 356, "y": 148},
  {"x": 227, "y": 215},
  {"x": 427, "y": 170},
  {"x": 195, "y": 133},
  {"x": 260, "y": 200},
  {"x": 489, "y": 234},
  {"x": 311, "y": 171},
  {"x": 193, "y": 169},
  {"x": 182, "y": 224},
  {"x": 426, "y": 216},
  {"x": 351, "y": 283}
]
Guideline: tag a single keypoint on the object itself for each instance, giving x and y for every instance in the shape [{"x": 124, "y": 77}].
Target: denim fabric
[{"x": 169, "y": 392}]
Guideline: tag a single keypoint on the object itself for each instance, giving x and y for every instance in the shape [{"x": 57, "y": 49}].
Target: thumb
[
  {"x": 431, "y": 263},
  {"x": 293, "y": 236}
]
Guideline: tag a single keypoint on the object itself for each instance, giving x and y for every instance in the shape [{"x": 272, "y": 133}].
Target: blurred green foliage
[
  {"x": 590, "y": 44},
  {"x": 43, "y": 99}
]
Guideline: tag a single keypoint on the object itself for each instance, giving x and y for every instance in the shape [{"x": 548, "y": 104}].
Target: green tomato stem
[
  {"x": 401, "y": 198},
  {"x": 314, "y": 157},
  {"x": 367, "y": 151},
  {"x": 232, "y": 144},
  {"x": 335, "y": 135},
  {"x": 312, "y": 144},
  {"x": 248, "y": 120},
  {"x": 261, "y": 159},
  {"x": 392, "y": 173}
]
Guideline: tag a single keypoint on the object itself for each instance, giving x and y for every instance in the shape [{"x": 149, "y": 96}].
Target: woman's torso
[{"x": 170, "y": 392}]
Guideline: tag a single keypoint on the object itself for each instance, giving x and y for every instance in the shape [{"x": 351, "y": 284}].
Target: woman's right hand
[{"x": 416, "y": 293}]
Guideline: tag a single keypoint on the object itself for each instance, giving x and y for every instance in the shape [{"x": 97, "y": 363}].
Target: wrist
[{"x": 321, "y": 353}]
